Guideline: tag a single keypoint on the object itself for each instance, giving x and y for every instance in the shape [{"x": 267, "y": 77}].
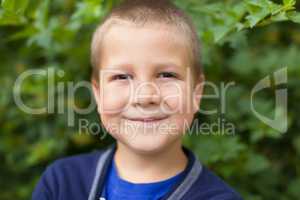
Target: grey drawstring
[
  {"x": 187, "y": 183},
  {"x": 98, "y": 172}
]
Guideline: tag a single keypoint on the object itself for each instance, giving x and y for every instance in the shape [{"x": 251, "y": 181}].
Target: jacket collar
[{"x": 192, "y": 172}]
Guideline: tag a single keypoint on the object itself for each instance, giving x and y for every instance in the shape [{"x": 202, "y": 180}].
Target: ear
[
  {"x": 198, "y": 91},
  {"x": 96, "y": 93}
]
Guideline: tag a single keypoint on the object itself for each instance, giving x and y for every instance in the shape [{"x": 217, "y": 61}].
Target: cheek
[
  {"x": 114, "y": 98},
  {"x": 177, "y": 97}
]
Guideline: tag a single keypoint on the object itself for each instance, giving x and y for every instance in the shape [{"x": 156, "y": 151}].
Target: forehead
[{"x": 150, "y": 42}]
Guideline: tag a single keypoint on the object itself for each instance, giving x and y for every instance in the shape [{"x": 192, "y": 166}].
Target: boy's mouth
[{"x": 147, "y": 119}]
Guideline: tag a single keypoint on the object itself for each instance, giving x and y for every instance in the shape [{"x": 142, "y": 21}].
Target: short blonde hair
[{"x": 144, "y": 12}]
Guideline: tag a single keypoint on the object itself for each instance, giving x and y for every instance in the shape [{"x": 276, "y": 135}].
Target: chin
[{"x": 149, "y": 145}]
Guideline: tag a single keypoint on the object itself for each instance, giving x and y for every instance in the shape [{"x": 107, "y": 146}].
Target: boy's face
[{"x": 145, "y": 95}]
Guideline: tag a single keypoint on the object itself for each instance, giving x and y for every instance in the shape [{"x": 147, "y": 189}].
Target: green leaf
[
  {"x": 293, "y": 188},
  {"x": 39, "y": 151},
  {"x": 294, "y": 16},
  {"x": 15, "y": 6},
  {"x": 13, "y": 12},
  {"x": 289, "y": 2},
  {"x": 256, "y": 163},
  {"x": 8, "y": 5},
  {"x": 213, "y": 148},
  {"x": 257, "y": 16},
  {"x": 221, "y": 31},
  {"x": 88, "y": 11},
  {"x": 279, "y": 17},
  {"x": 25, "y": 33}
]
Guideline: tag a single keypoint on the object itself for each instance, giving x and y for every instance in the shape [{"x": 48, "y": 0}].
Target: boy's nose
[{"x": 146, "y": 93}]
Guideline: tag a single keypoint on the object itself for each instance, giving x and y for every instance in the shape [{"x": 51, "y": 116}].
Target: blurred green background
[{"x": 242, "y": 42}]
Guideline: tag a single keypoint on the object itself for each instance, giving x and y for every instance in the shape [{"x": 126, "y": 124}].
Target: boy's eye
[
  {"x": 128, "y": 76},
  {"x": 121, "y": 77},
  {"x": 167, "y": 75}
]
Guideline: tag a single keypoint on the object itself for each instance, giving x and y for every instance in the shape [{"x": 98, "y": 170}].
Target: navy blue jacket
[{"x": 83, "y": 177}]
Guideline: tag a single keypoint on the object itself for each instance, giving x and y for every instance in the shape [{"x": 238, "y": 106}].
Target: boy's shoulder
[
  {"x": 68, "y": 177},
  {"x": 82, "y": 165},
  {"x": 209, "y": 186},
  {"x": 77, "y": 160}
]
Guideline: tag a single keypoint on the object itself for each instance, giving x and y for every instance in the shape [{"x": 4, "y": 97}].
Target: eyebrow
[
  {"x": 167, "y": 64},
  {"x": 160, "y": 66}
]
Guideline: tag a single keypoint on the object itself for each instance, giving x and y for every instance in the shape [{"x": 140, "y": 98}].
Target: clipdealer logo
[{"x": 279, "y": 78}]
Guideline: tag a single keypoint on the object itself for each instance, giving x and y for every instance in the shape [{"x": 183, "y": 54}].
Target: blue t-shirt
[{"x": 117, "y": 188}]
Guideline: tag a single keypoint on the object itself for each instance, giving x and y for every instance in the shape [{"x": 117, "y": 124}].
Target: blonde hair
[{"x": 144, "y": 12}]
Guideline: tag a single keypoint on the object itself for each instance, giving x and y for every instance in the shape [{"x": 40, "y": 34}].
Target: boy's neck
[{"x": 146, "y": 168}]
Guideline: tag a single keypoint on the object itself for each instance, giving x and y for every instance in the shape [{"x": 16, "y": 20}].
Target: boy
[{"x": 147, "y": 82}]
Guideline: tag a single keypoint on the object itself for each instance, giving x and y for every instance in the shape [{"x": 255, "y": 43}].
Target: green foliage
[{"x": 242, "y": 42}]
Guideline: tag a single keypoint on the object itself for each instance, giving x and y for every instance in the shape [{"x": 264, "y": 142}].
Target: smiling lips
[{"x": 148, "y": 119}]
